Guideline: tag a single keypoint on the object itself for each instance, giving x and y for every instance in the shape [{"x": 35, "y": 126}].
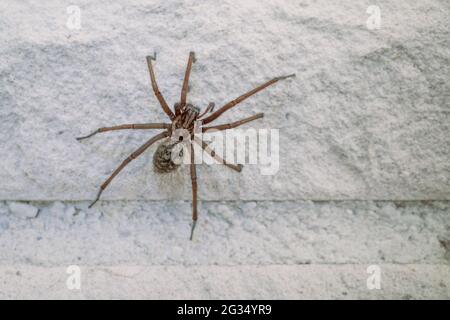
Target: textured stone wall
[{"x": 364, "y": 129}]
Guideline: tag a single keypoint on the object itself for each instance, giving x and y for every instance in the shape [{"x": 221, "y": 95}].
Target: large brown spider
[{"x": 185, "y": 117}]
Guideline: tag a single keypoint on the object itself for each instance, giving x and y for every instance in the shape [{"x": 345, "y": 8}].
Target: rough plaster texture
[
  {"x": 364, "y": 128},
  {"x": 229, "y": 233},
  {"x": 229, "y": 282},
  {"x": 254, "y": 249},
  {"x": 367, "y": 116}
]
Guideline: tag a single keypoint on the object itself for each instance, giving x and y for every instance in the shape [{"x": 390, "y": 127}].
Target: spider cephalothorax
[{"x": 185, "y": 116}]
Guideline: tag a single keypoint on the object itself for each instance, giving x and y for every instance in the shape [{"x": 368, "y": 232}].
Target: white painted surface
[
  {"x": 366, "y": 119},
  {"x": 367, "y": 116}
]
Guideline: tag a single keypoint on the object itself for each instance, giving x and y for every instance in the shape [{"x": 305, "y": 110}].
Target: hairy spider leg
[
  {"x": 134, "y": 126},
  {"x": 187, "y": 74},
  {"x": 215, "y": 156},
  {"x": 133, "y": 156},
  {"x": 158, "y": 94},
  {"x": 235, "y": 124},
  {"x": 194, "y": 191},
  {"x": 234, "y": 102}
]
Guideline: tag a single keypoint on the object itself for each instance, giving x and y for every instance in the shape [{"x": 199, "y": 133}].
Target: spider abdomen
[{"x": 168, "y": 156}]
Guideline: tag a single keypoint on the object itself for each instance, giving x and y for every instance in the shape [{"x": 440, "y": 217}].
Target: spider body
[
  {"x": 184, "y": 118},
  {"x": 168, "y": 156},
  {"x": 187, "y": 117}
]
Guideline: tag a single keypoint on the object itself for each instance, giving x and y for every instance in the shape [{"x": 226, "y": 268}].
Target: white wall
[{"x": 364, "y": 136}]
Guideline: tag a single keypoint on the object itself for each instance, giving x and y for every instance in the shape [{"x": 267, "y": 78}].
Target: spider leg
[
  {"x": 184, "y": 89},
  {"x": 235, "y": 124},
  {"x": 234, "y": 102},
  {"x": 219, "y": 159},
  {"x": 133, "y": 156},
  {"x": 194, "y": 192},
  {"x": 158, "y": 94},
  {"x": 128, "y": 126}
]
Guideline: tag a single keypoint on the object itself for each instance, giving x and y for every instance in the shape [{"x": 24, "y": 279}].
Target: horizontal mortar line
[
  {"x": 229, "y": 265},
  {"x": 231, "y": 200}
]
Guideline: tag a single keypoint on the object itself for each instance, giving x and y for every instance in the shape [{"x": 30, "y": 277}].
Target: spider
[{"x": 183, "y": 116}]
